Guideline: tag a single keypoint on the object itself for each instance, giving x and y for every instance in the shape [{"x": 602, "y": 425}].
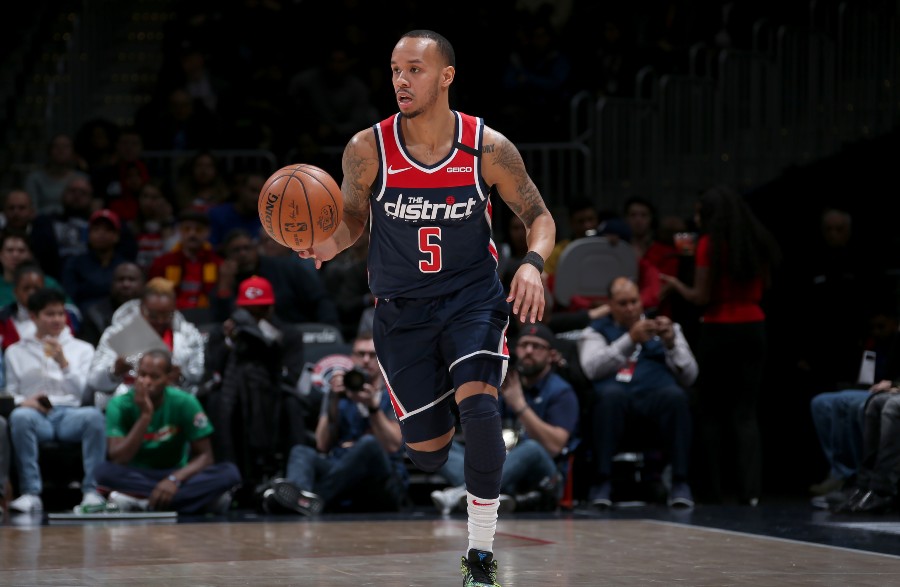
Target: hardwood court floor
[{"x": 424, "y": 551}]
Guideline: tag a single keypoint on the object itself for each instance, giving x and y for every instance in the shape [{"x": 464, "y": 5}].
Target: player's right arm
[{"x": 360, "y": 167}]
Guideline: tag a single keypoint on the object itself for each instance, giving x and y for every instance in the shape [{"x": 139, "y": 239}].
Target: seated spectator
[
  {"x": 46, "y": 183},
  {"x": 192, "y": 265},
  {"x": 640, "y": 367},
  {"x": 242, "y": 212},
  {"x": 118, "y": 183},
  {"x": 14, "y": 251},
  {"x": 149, "y": 431},
  {"x": 110, "y": 373},
  {"x": 87, "y": 277},
  {"x": 127, "y": 284},
  {"x": 838, "y": 416},
  {"x": 542, "y": 409},
  {"x": 59, "y": 236},
  {"x": 15, "y": 318},
  {"x": 300, "y": 294},
  {"x": 45, "y": 374},
  {"x": 154, "y": 227},
  {"x": 253, "y": 363},
  {"x": 201, "y": 186},
  {"x": 359, "y": 447},
  {"x": 4, "y": 462},
  {"x": 18, "y": 212},
  {"x": 877, "y": 482}
]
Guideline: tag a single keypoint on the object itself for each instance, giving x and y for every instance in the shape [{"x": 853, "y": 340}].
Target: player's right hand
[{"x": 324, "y": 251}]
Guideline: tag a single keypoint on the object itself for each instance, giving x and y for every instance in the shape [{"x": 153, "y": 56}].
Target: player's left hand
[{"x": 526, "y": 292}]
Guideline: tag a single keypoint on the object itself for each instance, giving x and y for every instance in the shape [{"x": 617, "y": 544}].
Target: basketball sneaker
[{"x": 479, "y": 569}]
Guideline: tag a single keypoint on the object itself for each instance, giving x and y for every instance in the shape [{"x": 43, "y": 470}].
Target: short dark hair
[
  {"x": 44, "y": 297},
  {"x": 27, "y": 268},
  {"x": 641, "y": 201},
  {"x": 8, "y": 233},
  {"x": 233, "y": 234},
  {"x": 443, "y": 45},
  {"x": 166, "y": 356}
]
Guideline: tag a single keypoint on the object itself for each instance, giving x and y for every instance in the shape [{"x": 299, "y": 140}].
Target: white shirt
[{"x": 29, "y": 371}]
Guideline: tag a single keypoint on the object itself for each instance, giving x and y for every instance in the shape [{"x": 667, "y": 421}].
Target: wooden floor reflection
[{"x": 531, "y": 553}]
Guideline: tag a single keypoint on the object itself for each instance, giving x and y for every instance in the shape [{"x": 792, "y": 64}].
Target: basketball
[{"x": 300, "y": 206}]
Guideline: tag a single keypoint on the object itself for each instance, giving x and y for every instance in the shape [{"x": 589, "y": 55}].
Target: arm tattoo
[
  {"x": 531, "y": 205},
  {"x": 488, "y": 148},
  {"x": 355, "y": 192}
]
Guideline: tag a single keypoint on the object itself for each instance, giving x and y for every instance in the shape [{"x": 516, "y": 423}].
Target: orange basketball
[{"x": 300, "y": 206}]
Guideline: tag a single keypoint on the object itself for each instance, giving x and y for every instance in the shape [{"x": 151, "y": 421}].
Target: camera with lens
[{"x": 355, "y": 379}]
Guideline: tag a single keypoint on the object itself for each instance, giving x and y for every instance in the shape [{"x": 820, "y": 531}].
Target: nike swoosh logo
[
  {"x": 392, "y": 171},
  {"x": 475, "y": 502}
]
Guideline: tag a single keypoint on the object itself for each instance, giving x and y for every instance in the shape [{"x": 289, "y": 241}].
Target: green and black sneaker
[{"x": 479, "y": 569}]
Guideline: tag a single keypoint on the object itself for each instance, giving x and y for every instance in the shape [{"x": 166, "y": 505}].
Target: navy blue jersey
[{"x": 430, "y": 224}]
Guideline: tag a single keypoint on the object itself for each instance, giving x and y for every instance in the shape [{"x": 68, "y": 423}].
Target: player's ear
[{"x": 447, "y": 76}]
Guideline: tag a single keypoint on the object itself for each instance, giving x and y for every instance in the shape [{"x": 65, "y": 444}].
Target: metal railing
[{"x": 741, "y": 117}]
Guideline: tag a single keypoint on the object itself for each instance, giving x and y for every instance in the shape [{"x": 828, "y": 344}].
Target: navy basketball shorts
[{"x": 429, "y": 347}]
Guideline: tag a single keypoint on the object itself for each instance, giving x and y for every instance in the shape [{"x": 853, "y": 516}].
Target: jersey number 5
[{"x": 430, "y": 244}]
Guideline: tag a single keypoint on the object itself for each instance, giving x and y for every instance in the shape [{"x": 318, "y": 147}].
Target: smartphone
[
  {"x": 45, "y": 402},
  {"x": 867, "y": 368}
]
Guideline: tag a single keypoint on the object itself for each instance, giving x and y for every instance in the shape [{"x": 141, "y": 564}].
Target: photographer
[
  {"x": 539, "y": 410},
  {"x": 359, "y": 462},
  {"x": 640, "y": 367}
]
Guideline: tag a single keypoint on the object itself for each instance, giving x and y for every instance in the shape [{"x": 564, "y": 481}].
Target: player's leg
[{"x": 475, "y": 345}]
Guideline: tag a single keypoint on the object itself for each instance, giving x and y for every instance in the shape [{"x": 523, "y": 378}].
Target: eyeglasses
[{"x": 538, "y": 346}]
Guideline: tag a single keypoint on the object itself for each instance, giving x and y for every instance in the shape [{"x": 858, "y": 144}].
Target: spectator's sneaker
[
  {"x": 827, "y": 486},
  {"x": 289, "y": 496},
  {"x": 680, "y": 496},
  {"x": 600, "y": 496},
  {"x": 91, "y": 503},
  {"x": 479, "y": 569},
  {"x": 447, "y": 500},
  {"x": 27, "y": 503},
  {"x": 221, "y": 504},
  {"x": 126, "y": 503}
]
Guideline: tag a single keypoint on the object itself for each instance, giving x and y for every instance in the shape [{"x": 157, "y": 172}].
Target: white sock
[{"x": 482, "y": 521}]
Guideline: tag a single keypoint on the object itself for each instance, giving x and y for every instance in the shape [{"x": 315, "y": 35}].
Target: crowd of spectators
[{"x": 96, "y": 239}]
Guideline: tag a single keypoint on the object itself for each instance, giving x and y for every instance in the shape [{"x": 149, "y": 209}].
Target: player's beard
[{"x": 429, "y": 99}]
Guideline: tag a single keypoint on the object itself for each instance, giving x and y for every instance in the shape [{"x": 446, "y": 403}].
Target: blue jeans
[
  {"x": 332, "y": 476},
  {"x": 197, "y": 492},
  {"x": 525, "y": 466},
  {"x": 30, "y": 427},
  {"x": 4, "y": 455},
  {"x": 838, "y": 417}
]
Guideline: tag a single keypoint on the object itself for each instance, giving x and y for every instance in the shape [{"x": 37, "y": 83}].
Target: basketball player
[{"x": 423, "y": 178}]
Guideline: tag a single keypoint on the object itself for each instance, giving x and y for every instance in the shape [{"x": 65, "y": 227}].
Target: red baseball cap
[
  {"x": 255, "y": 291},
  {"x": 107, "y": 215}
]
